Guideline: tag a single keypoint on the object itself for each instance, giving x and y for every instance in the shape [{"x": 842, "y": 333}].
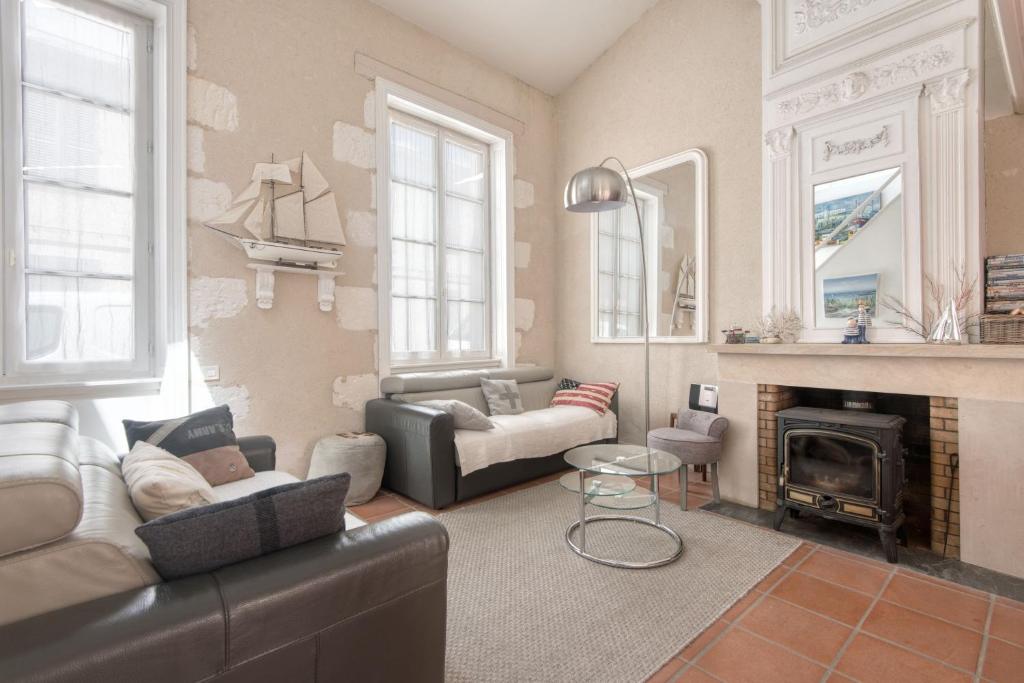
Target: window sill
[
  {"x": 452, "y": 365},
  {"x": 142, "y": 386}
]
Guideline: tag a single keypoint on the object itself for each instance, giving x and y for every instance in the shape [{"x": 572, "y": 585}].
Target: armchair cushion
[
  {"x": 702, "y": 422},
  {"x": 199, "y": 431}
]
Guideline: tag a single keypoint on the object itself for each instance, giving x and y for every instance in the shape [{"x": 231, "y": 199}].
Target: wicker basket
[{"x": 1002, "y": 329}]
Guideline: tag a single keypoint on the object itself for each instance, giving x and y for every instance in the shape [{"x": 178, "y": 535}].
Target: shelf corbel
[{"x": 265, "y": 280}]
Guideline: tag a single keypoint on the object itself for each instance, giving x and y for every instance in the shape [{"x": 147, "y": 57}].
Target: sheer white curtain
[
  {"x": 80, "y": 184},
  {"x": 440, "y": 249}
]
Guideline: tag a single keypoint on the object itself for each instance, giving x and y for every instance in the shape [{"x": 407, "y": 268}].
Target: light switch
[{"x": 211, "y": 373}]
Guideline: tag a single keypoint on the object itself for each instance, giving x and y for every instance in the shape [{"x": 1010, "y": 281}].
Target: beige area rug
[{"x": 523, "y": 607}]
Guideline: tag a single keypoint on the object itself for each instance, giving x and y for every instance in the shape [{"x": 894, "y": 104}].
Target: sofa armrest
[
  {"x": 421, "y": 450},
  {"x": 331, "y": 609},
  {"x": 260, "y": 451}
]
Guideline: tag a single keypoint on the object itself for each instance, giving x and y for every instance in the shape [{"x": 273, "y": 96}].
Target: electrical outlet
[{"x": 211, "y": 373}]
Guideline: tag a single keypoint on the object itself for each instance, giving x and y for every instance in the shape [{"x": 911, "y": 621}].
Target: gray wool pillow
[
  {"x": 209, "y": 537},
  {"x": 466, "y": 416},
  {"x": 502, "y": 396}
]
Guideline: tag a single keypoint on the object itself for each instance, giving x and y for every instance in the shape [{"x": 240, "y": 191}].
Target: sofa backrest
[
  {"x": 40, "y": 484},
  {"x": 536, "y": 386}
]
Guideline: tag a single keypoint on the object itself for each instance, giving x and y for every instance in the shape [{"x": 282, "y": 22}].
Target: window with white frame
[
  {"x": 441, "y": 239},
  {"x": 619, "y": 269},
  {"x": 79, "y": 215}
]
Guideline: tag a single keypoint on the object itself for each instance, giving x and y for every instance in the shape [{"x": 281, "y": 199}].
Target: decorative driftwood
[{"x": 962, "y": 298}]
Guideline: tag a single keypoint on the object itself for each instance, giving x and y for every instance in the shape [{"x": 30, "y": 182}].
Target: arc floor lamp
[{"x": 598, "y": 189}]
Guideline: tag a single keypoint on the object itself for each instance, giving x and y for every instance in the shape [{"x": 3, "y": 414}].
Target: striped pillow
[{"x": 597, "y": 397}]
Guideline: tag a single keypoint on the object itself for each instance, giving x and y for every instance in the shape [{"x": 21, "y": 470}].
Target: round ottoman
[{"x": 359, "y": 454}]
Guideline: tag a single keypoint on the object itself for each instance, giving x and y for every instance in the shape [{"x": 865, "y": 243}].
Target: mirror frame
[{"x": 700, "y": 335}]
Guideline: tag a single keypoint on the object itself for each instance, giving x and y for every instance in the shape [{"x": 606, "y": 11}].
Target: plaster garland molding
[
  {"x": 780, "y": 142},
  {"x": 948, "y": 93},
  {"x": 856, "y": 84},
  {"x": 856, "y": 146},
  {"x": 811, "y": 14}
]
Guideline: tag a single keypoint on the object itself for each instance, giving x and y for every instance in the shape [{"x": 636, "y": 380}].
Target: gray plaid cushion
[{"x": 502, "y": 396}]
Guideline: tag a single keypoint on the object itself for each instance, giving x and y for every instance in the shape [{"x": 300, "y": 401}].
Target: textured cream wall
[
  {"x": 1004, "y": 185},
  {"x": 667, "y": 85},
  {"x": 278, "y": 77}
]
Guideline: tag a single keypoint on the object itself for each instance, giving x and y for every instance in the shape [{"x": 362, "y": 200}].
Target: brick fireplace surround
[
  {"x": 944, "y": 435},
  {"x": 976, "y": 411}
]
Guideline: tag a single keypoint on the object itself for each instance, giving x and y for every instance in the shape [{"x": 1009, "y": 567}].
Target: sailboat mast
[
  {"x": 273, "y": 223},
  {"x": 305, "y": 225}
]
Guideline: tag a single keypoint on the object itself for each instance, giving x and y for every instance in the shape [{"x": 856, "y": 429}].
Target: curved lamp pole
[{"x": 597, "y": 189}]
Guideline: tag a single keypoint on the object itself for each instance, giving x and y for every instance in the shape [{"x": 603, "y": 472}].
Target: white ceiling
[{"x": 546, "y": 43}]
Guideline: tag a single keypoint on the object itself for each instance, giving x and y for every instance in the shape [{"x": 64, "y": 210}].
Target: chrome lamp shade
[{"x": 596, "y": 189}]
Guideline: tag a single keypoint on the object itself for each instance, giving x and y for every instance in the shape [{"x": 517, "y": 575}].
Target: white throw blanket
[{"x": 533, "y": 434}]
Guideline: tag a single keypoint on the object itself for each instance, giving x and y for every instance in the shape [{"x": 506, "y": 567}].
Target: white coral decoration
[{"x": 785, "y": 325}]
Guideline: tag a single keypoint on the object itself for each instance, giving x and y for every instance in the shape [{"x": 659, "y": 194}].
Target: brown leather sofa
[{"x": 338, "y": 608}]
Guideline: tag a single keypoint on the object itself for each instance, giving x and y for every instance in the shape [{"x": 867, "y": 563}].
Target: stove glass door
[{"x": 832, "y": 463}]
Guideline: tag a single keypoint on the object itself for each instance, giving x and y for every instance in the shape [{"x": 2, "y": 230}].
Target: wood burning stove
[{"x": 843, "y": 465}]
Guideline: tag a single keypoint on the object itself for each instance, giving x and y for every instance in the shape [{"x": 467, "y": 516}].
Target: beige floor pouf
[{"x": 360, "y": 454}]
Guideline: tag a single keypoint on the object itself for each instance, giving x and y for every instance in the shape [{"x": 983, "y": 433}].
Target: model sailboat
[{"x": 289, "y": 213}]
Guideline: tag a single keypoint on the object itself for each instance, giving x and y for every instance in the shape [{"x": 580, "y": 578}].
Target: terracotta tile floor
[{"x": 828, "y": 615}]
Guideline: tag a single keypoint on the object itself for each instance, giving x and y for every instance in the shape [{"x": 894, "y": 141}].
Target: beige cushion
[
  {"x": 161, "y": 483},
  {"x": 40, "y": 487},
  {"x": 535, "y": 395},
  {"x": 464, "y": 415},
  {"x": 102, "y": 556},
  {"x": 221, "y": 465}
]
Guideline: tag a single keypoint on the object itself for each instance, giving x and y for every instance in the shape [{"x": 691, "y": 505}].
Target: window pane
[
  {"x": 627, "y": 222},
  {"x": 412, "y": 269},
  {"x": 79, "y": 231},
  {"x": 72, "y": 52},
  {"x": 629, "y": 296},
  {"x": 76, "y": 142},
  {"x": 606, "y": 292},
  {"x": 466, "y": 275},
  {"x": 412, "y": 325},
  {"x": 464, "y": 224},
  {"x": 606, "y": 222},
  {"x": 606, "y": 253},
  {"x": 413, "y": 155},
  {"x": 71, "y": 319},
  {"x": 464, "y": 171},
  {"x": 629, "y": 258},
  {"x": 412, "y": 213},
  {"x": 604, "y": 325},
  {"x": 467, "y": 323}
]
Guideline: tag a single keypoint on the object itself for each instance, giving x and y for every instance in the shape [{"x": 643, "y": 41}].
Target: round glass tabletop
[{"x": 624, "y": 459}]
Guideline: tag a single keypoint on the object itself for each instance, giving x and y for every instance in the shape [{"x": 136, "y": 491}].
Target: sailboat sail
[
  {"x": 322, "y": 221},
  {"x": 265, "y": 172},
  {"x": 232, "y": 215},
  {"x": 313, "y": 182},
  {"x": 252, "y": 191},
  {"x": 289, "y": 217},
  {"x": 258, "y": 222}
]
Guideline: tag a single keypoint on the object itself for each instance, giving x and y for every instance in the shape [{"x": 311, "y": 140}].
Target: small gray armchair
[{"x": 696, "y": 439}]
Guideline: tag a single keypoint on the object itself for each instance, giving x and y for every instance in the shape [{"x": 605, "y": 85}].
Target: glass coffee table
[{"x": 605, "y": 477}]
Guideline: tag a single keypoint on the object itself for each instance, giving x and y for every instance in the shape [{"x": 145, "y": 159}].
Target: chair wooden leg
[
  {"x": 683, "y": 478},
  {"x": 714, "y": 482}
]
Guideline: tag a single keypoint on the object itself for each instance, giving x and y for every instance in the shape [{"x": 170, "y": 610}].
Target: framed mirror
[
  {"x": 672, "y": 196},
  {"x": 858, "y": 248}
]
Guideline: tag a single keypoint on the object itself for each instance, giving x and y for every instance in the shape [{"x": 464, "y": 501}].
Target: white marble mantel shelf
[{"x": 972, "y": 351}]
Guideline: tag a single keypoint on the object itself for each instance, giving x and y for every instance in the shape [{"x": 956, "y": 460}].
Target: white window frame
[
  {"x": 161, "y": 356},
  {"x": 394, "y": 98}
]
